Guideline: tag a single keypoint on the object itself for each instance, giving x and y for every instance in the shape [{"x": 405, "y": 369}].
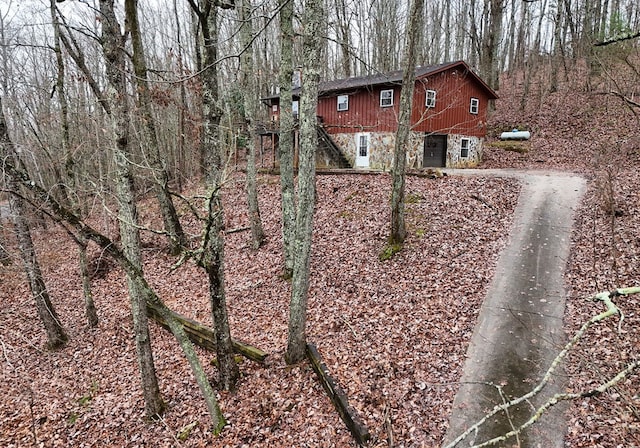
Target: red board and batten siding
[{"x": 451, "y": 115}]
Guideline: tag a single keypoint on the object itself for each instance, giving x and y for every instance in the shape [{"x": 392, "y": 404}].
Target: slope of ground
[
  {"x": 596, "y": 134},
  {"x": 394, "y": 333}
]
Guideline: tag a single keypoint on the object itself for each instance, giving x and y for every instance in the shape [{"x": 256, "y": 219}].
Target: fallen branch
[
  {"x": 205, "y": 337},
  {"x": 612, "y": 310},
  {"x": 616, "y": 39},
  {"x": 557, "y": 398},
  {"x": 236, "y": 230},
  {"x": 480, "y": 199},
  {"x": 338, "y": 397}
]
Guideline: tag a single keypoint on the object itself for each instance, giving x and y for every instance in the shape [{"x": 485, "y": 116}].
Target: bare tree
[
  {"x": 248, "y": 83},
  {"x": 489, "y": 60},
  {"x": 297, "y": 341},
  {"x": 285, "y": 144},
  {"x": 56, "y": 335},
  {"x": 212, "y": 260},
  {"x": 158, "y": 167},
  {"x": 113, "y": 48},
  {"x": 398, "y": 229},
  {"x": 70, "y": 167}
]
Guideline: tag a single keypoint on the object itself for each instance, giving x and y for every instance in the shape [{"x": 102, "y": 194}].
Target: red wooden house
[{"x": 449, "y": 115}]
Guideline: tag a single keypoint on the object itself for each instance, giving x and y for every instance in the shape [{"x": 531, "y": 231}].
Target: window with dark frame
[
  {"x": 386, "y": 98},
  {"x": 474, "y": 107},
  {"x": 464, "y": 148},
  {"x": 430, "y": 100},
  {"x": 343, "y": 102}
]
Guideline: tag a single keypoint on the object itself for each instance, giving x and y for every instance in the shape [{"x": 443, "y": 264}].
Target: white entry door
[{"x": 362, "y": 151}]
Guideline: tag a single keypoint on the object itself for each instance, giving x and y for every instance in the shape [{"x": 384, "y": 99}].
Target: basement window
[
  {"x": 464, "y": 148},
  {"x": 343, "y": 102},
  {"x": 475, "y": 106},
  {"x": 386, "y": 98},
  {"x": 431, "y": 98}
]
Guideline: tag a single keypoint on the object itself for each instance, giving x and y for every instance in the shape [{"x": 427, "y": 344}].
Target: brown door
[{"x": 435, "y": 150}]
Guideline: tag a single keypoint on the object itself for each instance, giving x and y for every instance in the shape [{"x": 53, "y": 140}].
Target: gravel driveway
[{"x": 520, "y": 326}]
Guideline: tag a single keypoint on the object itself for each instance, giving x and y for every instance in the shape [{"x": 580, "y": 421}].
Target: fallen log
[
  {"x": 204, "y": 336},
  {"x": 338, "y": 397}
]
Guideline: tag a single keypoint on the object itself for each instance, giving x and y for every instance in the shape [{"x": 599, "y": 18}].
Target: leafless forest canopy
[
  {"x": 362, "y": 37},
  {"x": 85, "y": 127}
]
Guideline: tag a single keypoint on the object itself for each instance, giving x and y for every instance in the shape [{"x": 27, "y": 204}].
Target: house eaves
[{"x": 329, "y": 88}]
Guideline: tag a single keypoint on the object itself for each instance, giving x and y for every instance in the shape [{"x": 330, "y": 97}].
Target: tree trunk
[
  {"x": 89, "y": 305},
  {"x": 447, "y": 32},
  {"x": 296, "y": 345},
  {"x": 44, "y": 200},
  {"x": 113, "y": 44},
  {"x": 5, "y": 258},
  {"x": 344, "y": 38},
  {"x": 56, "y": 335},
  {"x": 521, "y": 45},
  {"x": 213, "y": 259},
  {"x": 398, "y": 229},
  {"x": 557, "y": 53},
  {"x": 172, "y": 226},
  {"x": 70, "y": 169},
  {"x": 285, "y": 146},
  {"x": 248, "y": 83},
  {"x": 490, "y": 43},
  {"x": 55, "y": 332}
]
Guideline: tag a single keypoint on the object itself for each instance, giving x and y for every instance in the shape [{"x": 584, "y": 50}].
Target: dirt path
[{"x": 519, "y": 329}]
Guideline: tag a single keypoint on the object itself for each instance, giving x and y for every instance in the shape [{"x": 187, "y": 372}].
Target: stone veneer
[{"x": 381, "y": 145}]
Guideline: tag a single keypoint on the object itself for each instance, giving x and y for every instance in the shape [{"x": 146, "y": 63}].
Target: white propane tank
[{"x": 515, "y": 135}]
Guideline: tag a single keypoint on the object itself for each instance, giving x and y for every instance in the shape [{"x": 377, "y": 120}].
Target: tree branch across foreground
[
  {"x": 41, "y": 199},
  {"x": 611, "y": 310},
  {"x": 617, "y": 39},
  {"x": 205, "y": 337}
]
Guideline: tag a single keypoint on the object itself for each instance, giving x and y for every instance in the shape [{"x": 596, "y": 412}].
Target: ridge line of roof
[{"x": 392, "y": 77}]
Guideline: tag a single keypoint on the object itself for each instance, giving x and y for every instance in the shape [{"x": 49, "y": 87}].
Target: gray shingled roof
[{"x": 394, "y": 77}]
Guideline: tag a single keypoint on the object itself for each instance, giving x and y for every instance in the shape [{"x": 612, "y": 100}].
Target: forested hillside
[{"x": 133, "y": 180}]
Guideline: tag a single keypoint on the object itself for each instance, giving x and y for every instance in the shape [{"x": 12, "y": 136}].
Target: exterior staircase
[{"x": 333, "y": 155}]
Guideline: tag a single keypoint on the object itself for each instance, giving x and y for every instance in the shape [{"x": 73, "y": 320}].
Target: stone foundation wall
[
  {"x": 381, "y": 145},
  {"x": 453, "y": 151}
]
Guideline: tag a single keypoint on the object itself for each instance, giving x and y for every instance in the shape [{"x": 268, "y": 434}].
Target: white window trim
[
  {"x": 474, "y": 106},
  {"x": 359, "y": 138},
  {"x": 462, "y": 146},
  {"x": 431, "y": 103},
  {"x": 345, "y": 103},
  {"x": 382, "y": 92}
]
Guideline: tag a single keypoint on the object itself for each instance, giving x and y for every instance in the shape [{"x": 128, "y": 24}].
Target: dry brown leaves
[
  {"x": 594, "y": 134},
  {"x": 393, "y": 333}
]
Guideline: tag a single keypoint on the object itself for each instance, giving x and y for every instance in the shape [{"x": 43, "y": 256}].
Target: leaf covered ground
[
  {"x": 589, "y": 130},
  {"x": 393, "y": 333}
]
